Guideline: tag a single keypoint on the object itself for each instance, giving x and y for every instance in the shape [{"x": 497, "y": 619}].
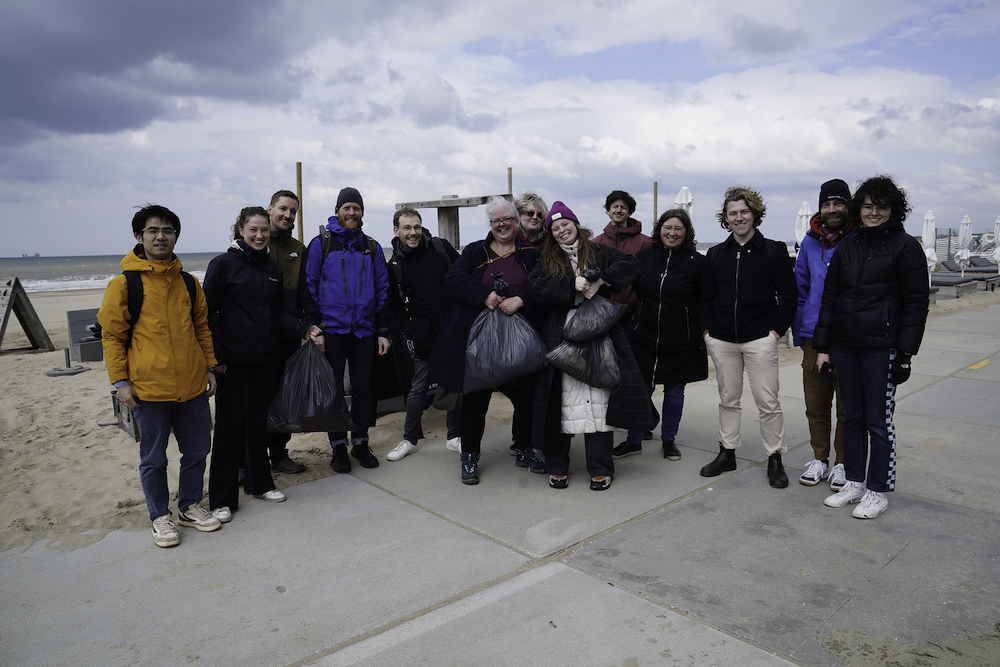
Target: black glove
[
  {"x": 826, "y": 373},
  {"x": 899, "y": 368}
]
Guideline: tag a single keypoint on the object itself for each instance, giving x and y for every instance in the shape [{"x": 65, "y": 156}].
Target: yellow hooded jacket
[{"x": 170, "y": 354}]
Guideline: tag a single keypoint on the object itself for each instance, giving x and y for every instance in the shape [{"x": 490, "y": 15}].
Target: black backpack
[{"x": 133, "y": 280}]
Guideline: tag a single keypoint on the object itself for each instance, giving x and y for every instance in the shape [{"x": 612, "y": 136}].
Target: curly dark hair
[
  {"x": 754, "y": 202},
  {"x": 883, "y": 191},
  {"x": 624, "y": 196},
  {"x": 682, "y": 215}
]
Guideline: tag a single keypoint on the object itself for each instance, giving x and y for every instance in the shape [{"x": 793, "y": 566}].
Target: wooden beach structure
[{"x": 13, "y": 299}]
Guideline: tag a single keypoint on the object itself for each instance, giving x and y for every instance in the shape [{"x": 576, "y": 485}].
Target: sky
[{"x": 205, "y": 107}]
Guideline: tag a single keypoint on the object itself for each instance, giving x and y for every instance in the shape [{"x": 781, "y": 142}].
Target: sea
[{"x": 60, "y": 274}]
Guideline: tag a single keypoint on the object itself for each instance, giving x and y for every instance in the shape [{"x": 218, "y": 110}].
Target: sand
[{"x": 66, "y": 480}]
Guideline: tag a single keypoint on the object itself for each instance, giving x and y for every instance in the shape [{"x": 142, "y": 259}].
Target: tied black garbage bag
[
  {"x": 592, "y": 318},
  {"x": 594, "y": 362},
  {"x": 307, "y": 400},
  {"x": 502, "y": 348}
]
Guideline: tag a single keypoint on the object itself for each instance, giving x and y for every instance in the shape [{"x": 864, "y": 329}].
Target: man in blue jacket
[
  {"x": 827, "y": 229},
  {"x": 747, "y": 303},
  {"x": 347, "y": 277}
]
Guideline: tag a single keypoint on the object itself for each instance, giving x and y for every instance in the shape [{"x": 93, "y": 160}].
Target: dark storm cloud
[
  {"x": 433, "y": 102},
  {"x": 104, "y": 66},
  {"x": 750, "y": 36}
]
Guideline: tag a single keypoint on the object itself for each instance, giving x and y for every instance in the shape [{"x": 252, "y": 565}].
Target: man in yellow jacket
[{"x": 160, "y": 360}]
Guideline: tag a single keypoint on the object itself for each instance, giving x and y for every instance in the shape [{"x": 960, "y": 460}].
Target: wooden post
[
  {"x": 510, "y": 181},
  {"x": 298, "y": 191},
  {"x": 655, "y": 195}
]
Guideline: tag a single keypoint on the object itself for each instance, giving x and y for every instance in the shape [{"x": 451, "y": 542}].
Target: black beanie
[
  {"x": 835, "y": 189},
  {"x": 350, "y": 196}
]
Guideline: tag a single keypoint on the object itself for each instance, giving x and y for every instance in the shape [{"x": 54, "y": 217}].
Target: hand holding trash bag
[
  {"x": 307, "y": 400},
  {"x": 592, "y": 318},
  {"x": 502, "y": 348}
]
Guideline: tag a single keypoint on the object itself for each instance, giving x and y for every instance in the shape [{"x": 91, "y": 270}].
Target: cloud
[
  {"x": 755, "y": 38},
  {"x": 432, "y": 102}
]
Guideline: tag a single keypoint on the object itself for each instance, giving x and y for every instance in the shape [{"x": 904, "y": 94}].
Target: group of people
[{"x": 856, "y": 297}]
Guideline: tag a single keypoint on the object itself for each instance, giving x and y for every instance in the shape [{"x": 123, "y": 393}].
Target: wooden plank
[
  {"x": 14, "y": 299},
  {"x": 449, "y": 203}
]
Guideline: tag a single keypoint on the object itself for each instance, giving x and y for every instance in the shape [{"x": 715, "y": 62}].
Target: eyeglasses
[
  {"x": 533, "y": 214},
  {"x": 508, "y": 220},
  {"x": 153, "y": 232}
]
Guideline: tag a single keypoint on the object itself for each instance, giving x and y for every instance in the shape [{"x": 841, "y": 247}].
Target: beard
[{"x": 834, "y": 220}]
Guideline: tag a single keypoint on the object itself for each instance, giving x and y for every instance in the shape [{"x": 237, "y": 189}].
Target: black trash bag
[
  {"x": 307, "y": 399},
  {"x": 592, "y": 318},
  {"x": 594, "y": 362},
  {"x": 502, "y": 348}
]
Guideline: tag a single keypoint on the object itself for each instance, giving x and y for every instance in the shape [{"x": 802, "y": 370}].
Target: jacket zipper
[
  {"x": 659, "y": 313},
  {"x": 736, "y": 296}
]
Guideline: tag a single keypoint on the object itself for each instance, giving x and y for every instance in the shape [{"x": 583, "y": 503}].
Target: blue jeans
[
  {"x": 192, "y": 425},
  {"x": 869, "y": 398},
  {"x": 673, "y": 407},
  {"x": 341, "y": 348}
]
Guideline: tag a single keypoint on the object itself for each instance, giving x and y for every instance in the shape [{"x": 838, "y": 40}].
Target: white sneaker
[
  {"x": 873, "y": 504},
  {"x": 198, "y": 517},
  {"x": 223, "y": 514},
  {"x": 837, "y": 477},
  {"x": 454, "y": 444},
  {"x": 165, "y": 532},
  {"x": 851, "y": 493},
  {"x": 404, "y": 448},
  {"x": 814, "y": 474},
  {"x": 274, "y": 496}
]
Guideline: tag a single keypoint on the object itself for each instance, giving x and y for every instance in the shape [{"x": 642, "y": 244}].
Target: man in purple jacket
[
  {"x": 826, "y": 230},
  {"x": 347, "y": 277}
]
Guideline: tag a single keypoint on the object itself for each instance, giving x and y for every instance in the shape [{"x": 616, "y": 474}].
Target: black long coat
[
  {"x": 666, "y": 339},
  {"x": 629, "y": 406}
]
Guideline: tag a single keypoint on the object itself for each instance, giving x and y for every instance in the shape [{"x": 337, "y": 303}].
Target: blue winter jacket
[
  {"x": 810, "y": 274},
  {"x": 351, "y": 286}
]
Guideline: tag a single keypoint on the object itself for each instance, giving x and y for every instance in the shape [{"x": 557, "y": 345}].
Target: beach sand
[{"x": 69, "y": 481}]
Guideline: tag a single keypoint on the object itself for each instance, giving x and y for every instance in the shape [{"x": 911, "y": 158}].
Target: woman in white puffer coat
[{"x": 565, "y": 406}]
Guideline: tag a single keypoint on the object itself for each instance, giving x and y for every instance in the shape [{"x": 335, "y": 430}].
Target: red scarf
[{"x": 827, "y": 236}]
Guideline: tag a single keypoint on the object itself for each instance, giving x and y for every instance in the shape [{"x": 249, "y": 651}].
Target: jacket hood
[
  {"x": 136, "y": 261},
  {"x": 825, "y": 236},
  {"x": 349, "y": 237},
  {"x": 630, "y": 228}
]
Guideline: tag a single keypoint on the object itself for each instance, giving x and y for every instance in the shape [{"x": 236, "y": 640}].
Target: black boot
[
  {"x": 670, "y": 451},
  {"x": 776, "y": 476},
  {"x": 724, "y": 462},
  {"x": 339, "y": 462},
  {"x": 528, "y": 459},
  {"x": 470, "y": 467}
]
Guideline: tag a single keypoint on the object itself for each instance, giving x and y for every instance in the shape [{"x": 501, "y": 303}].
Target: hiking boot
[
  {"x": 851, "y": 493},
  {"x": 198, "y": 517},
  {"x": 165, "y": 532},
  {"x": 838, "y": 477},
  {"x": 776, "y": 476},
  {"x": 670, "y": 451},
  {"x": 402, "y": 449},
  {"x": 528, "y": 459},
  {"x": 287, "y": 465},
  {"x": 815, "y": 472},
  {"x": 724, "y": 462},
  {"x": 340, "y": 462},
  {"x": 470, "y": 467},
  {"x": 363, "y": 453},
  {"x": 872, "y": 504},
  {"x": 626, "y": 449}
]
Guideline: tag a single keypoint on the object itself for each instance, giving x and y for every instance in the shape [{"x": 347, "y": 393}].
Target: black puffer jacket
[
  {"x": 667, "y": 340},
  {"x": 876, "y": 292},
  {"x": 246, "y": 308},
  {"x": 745, "y": 295}
]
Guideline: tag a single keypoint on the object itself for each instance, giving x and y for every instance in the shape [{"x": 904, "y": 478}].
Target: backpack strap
[{"x": 133, "y": 282}]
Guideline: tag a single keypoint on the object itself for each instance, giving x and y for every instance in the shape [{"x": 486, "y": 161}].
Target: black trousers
[{"x": 475, "y": 405}]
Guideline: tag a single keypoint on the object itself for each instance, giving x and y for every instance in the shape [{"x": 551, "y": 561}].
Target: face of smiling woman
[
  {"x": 873, "y": 215},
  {"x": 564, "y": 231},
  {"x": 672, "y": 233},
  {"x": 257, "y": 232}
]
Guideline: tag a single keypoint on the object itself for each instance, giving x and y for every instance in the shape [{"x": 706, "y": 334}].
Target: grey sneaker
[
  {"x": 837, "y": 477},
  {"x": 198, "y": 517},
  {"x": 851, "y": 493},
  {"x": 165, "y": 532}
]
